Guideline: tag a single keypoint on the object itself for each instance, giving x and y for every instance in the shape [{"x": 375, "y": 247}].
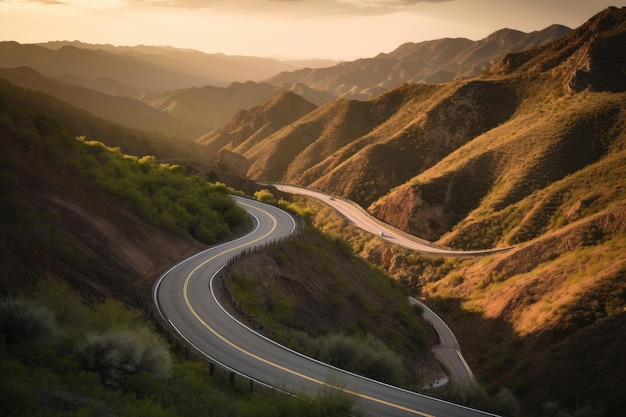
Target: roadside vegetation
[{"x": 63, "y": 357}]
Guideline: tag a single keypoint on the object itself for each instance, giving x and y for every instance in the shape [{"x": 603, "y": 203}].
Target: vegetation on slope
[
  {"x": 163, "y": 194},
  {"x": 94, "y": 213},
  {"x": 314, "y": 295},
  {"x": 63, "y": 221},
  {"x": 62, "y": 357},
  {"x": 538, "y": 319},
  {"x": 514, "y": 182}
]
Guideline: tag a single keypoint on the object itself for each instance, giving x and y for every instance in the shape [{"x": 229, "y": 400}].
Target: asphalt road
[
  {"x": 184, "y": 297},
  {"x": 448, "y": 350},
  {"x": 361, "y": 219}
]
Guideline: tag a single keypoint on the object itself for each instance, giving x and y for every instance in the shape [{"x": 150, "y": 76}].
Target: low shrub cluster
[{"x": 62, "y": 357}]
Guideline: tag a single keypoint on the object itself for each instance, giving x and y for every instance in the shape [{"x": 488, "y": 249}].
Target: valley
[{"x": 514, "y": 153}]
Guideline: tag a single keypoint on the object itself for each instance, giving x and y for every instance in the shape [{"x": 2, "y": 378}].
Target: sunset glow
[{"x": 337, "y": 29}]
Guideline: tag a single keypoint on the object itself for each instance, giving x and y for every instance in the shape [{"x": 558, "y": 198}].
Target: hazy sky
[{"x": 338, "y": 29}]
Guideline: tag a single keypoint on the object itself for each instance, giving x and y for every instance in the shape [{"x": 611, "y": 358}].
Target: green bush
[
  {"x": 364, "y": 355},
  {"x": 121, "y": 358},
  {"x": 25, "y": 322}
]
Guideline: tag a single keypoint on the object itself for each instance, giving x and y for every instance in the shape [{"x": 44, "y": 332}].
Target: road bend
[{"x": 185, "y": 298}]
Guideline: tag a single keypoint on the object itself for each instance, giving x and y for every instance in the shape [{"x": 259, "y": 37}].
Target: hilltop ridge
[{"x": 436, "y": 61}]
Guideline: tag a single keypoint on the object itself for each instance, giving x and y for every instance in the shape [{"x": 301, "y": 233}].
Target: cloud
[
  {"x": 51, "y": 2},
  {"x": 185, "y": 4},
  {"x": 315, "y": 7}
]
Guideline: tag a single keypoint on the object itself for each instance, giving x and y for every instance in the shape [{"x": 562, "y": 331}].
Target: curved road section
[
  {"x": 363, "y": 220},
  {"x": 184, "y": 297},
  {"x": 448, "y": 351}
]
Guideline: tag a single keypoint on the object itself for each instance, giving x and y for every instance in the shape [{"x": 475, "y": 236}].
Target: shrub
[
  {"x": 117, "y": 356},
  {"x": 367, "y": 356},
  {"x": 264, "y": 196},
  {"x": 26, "y": 322}
]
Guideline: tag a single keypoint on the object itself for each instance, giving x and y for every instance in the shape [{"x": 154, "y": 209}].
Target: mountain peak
[
  {"x": 590, "y": 57},
  {"x": 433, "y": 61},
  {"x": 259, "y": 121}
]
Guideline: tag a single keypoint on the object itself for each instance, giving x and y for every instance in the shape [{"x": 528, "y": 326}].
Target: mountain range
[
  {"x": 436, "y": 61},
  {"x": 529, "y": 153},
  {"x": 517, "y": 140},
  {"x": 203, "y": 91}
]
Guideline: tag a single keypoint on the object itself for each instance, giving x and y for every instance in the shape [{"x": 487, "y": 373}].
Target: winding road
[
  {"x": 363, "y": 220},
  {"x": 448, "y": 351},
  {"x": 185, "y": 298}
]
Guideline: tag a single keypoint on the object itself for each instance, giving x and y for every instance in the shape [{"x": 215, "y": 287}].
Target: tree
[{"x": 119, "y": 356}]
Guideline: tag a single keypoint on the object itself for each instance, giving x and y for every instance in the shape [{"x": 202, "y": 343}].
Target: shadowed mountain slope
[
  {"x": 144, "y": 68},
  {"x": 434, "y": 61},
  {"x": 253, "y": 125},
  {"x": 212, "y": 107},
  {"x": 78, "y": 122},
  {"x": 121, "y": 110}
]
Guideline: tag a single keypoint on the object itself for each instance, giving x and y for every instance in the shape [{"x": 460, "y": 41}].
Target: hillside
[
  {"x": 120, "y": 110},
  {"x": 530, "y": 153},
  {"x": 361, "y": 150},
  {"x": 60, "y": 226},
  {"x": 77, "y": 251},
  {"x": 436, "y": 61},
  {"x": 555, "y": 133},
  {"x": 212, "y": 107},
  {"x": 255, "y": 124},
  {"x": 303, "y": 291}
]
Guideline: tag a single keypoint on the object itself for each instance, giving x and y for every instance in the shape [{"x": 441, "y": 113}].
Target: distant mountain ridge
[
  {"x": 435, "y": 61},
  {"x": 151, "y": 69},
  {"x": 194, "y": 93},
  {"x": 121, "y": 110}
]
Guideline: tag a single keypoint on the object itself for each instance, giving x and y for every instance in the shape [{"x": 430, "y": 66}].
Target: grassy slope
[
  {"x": 313, "y": 286},
  {"x": 543, "y": 318}
]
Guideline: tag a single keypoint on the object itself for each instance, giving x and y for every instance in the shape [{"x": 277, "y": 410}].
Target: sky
[{"x": 284, "y": 29}]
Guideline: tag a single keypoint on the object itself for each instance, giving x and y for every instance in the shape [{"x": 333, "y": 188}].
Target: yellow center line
[{"x": 263, "y": 360}]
